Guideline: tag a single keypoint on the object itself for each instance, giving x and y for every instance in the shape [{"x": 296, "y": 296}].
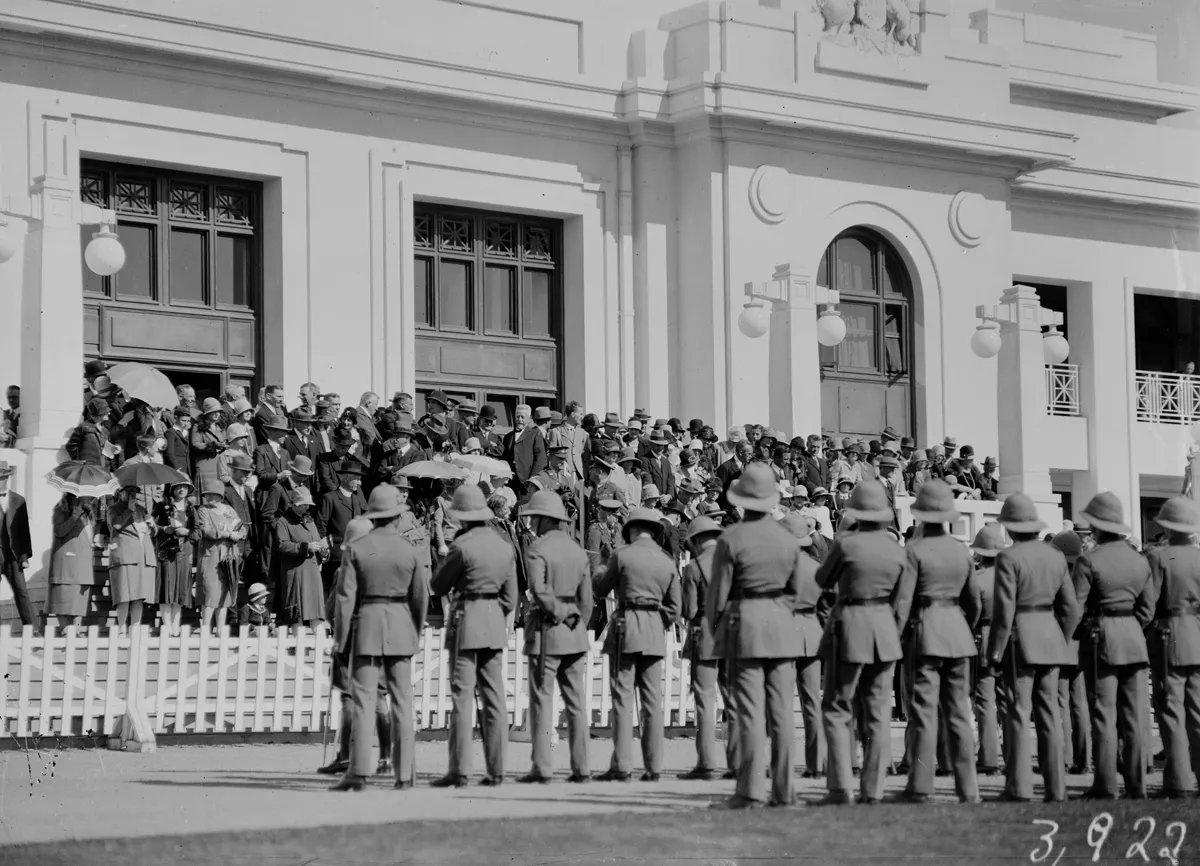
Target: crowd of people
[{"x": 779, "y": 558}]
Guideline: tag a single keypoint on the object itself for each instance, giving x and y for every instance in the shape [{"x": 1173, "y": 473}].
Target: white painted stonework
[{"x": 689, "y": 149}]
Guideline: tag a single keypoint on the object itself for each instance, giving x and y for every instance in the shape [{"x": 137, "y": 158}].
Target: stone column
[
  {"x": 52, "y": 341},
  {"x": 795, "y": 379},
  {"x": 1021, "y": 390}
]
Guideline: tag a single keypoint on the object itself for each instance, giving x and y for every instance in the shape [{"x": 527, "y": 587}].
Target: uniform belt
[
  {"x": 1185, "y": 609},
  {"x": 1116, "y": 612},
  {"x": 640, "y": 604},
  {"x": 745, "y": 595},
  {"x": 930, "y": 601},
  {"x": 479, "y": 596},
  {"x": 380, "y": 599},
  {"x": 1034, "y": 608},
  {"x": 867, "y": 602}
]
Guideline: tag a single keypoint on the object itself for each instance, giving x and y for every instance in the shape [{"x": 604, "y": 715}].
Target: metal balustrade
[
  {"x": 1167, "y": 398},
  {"x": 1062, "y": 389}
]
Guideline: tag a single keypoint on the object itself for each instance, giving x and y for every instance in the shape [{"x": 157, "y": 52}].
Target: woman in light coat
[
  {"x": 132, "y": 564},
  {"x": 218, "y": 560},
  {"x": 301, "y": 550}
]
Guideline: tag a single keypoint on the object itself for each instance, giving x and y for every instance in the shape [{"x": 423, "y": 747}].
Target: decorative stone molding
[
  {"x": 968, "y": 218},
  {"x": 880, "y": 26},
  {"x": 771, "y": 193}
]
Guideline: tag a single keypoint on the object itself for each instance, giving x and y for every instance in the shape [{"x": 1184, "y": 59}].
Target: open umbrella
[
  {"x": 82, "y": 479},
  {"x": 149, "y": 475},
  {"x": 485, "y": 466},
  {"x": 432, "y": 469},
  {"x": 144, "y": 383}
]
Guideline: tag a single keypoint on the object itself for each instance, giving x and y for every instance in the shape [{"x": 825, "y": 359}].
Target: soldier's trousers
[
  {"x": 808, "y": 683},
  {"x": 1033, "y": 692},
  {"x": 842, "y": 681},
  {"x": 1073, "y": 710},
  {"x": 707, "y": 678},
  {"x": 646, "y": 673},
  {"x": 987, "y": 720},
  {"x": 763, "y": 697},
  {"x": 364, "y": 692},
  {"x": 1181, "y": 727},
  {"x": 941, "y": 685},
  {"x": 1118, "y": 704},
  {"x": 383, "y": 723},
  {"x": 482, "y": 668},
  {"x": 568, "y": 671}
]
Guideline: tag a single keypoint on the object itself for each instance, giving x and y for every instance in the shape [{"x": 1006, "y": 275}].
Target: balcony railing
[
  {"x": 1062, "y": 389},
  {"x": 1168, "y": 398}
]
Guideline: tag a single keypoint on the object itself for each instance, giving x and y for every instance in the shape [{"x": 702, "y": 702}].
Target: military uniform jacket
[
  {"x": 560, "y": 580},
  {"x": 1175, "y": 573},
  {"x": 601, "y": 543},
  {"x": 383, "y": 590},
  {"x": 754, "y": 558},
  {"x": 642, "y": 573},
  {"x": 1115, "y": 577},
  {"x": 1034, "y": 604},
  {"x": 945, "y": 594},
  {"x": 480, "y": 562},
  {"x": 700, "y": 643},
  {"x": 867, "y": 565}
]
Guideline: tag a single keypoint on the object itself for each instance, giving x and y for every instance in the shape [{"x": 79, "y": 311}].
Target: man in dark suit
[
  {"x": 485, "y": 431},
  {"x": 270, "y": 407},
  {"x": 467, "y": 412},
  {"x": 365, "y": 419},
  {"x": 437, "y": 405},
  {"x": 656, "y": 466},
  {"x": 328, "y": 464},
  {"x": 530, "y": 455},
  {"x": 729, "y": 471},
  {"x": 520, "y": 421},
  {"x": 335, "y": 511},
  {"x": 16, "y": 549},
  {"x": 301, "y": 440},
  {"x": 395, "y": 448}
]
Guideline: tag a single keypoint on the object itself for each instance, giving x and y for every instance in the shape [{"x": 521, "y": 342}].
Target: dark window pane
[
  {"x": 505, "y": 406},
  {"x": 498, "y": 301},
  {"x": 187, "y": 267},
  {"x": 422, "y": 284},
  {"x": 136, "y": 278},
  {"x": 535, "y": 304},
  {"x": 535, "y": 400},
  {"x": 854, "y": 267},
  {"x": 454, "y": 295},
  {"x": 858, "y": 349},
  {"x": 93, "y": 283},
  {"x": 894, "y": 340},
  {"x": 233, "y": 270},
  {"x": 895, "y": 280},
  {"x": 823, "y": 269}
]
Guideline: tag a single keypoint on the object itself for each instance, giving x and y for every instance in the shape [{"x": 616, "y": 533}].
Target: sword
[
  {"x": 541, "y": 662},
  {"x": 731, "y": 667}
]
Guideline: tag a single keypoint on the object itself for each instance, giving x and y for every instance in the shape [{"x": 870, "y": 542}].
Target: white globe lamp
[
  {"x": 985, "y": 342},
  {"x": 1055, "y": 347},
  {"x": 755, "y": 319},
  {"x": 8, "y": 242},
  {"x": 831, "y": 327},
  {"x": 104, "y": 254}
]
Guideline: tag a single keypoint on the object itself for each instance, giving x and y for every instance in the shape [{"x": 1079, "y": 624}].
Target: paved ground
[{"x": 270, "y": 794}]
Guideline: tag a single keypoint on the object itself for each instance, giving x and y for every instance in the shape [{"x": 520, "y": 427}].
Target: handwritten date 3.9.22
[{"x": 1052, "y": 847}]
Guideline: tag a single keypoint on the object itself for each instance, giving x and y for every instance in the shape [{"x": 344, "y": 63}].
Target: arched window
[{"x": 867, "y": 378}]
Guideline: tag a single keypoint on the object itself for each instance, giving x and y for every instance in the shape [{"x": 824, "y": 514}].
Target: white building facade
[{"x": 539, "y": 202}]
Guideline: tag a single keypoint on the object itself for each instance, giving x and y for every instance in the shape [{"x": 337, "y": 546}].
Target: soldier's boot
[{"x": 383, "y": 730}]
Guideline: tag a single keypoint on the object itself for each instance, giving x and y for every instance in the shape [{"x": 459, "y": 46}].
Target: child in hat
[{"x": 255, "y": 612}]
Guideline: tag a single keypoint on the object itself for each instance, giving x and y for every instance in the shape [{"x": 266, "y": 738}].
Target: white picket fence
[{"x": 78, "y": 682}]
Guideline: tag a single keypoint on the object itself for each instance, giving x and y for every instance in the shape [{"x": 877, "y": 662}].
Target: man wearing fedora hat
[
  {"x": 1176, "y": 574},
  {"x": 481, "y": 571},
  {"x": 1113, "y": 588},
  {"x": 1034, "y": 614},
  {"x": 556, "y": 639},
  {"x": 301, "y": 439},
  {"x": 394, "y": 449},
  {"x": 529, "y": 448},
  {"x": 646, "y": 585},
  {"x": 382, "y": 598},
  {"x": 328, "y": 464},
  {"x": 335, "y": 510},
  {"x": 988, "y": 543},
  {"x": 941, "y": 585},
  {"x": 862, "y": 641},
  {"x": 755, "y": 588}
]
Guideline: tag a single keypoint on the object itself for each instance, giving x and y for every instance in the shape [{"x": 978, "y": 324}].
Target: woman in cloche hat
[
  {"x": 945, "y": 607},
  {"x": 302, "y": 550},
  {"x": 1176, "y": 569},
  {"x": 178, "y": 532}
]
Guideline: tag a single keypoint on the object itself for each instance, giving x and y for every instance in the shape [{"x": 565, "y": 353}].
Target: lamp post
[
  {"x": 786, "y": 306},
  {"x": 1012, "y": 331}
]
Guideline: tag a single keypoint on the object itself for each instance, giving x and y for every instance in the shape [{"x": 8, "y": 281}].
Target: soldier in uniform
[
  {"x": 757, "y": 570},
  {"x": 1112, "y": 587},
  {"x": 862, "y": 642},
  {"x": 1072, "y": 691},
  {"x": 808, "y": 624},
  {"x": 602, "y": 537},
  {"x": 700, "y": 649},
  {"x": 556, "y": 639},
  {"x": 646, "y": 585},
  {"x": 1033, "y": 615},
  {"x": 481, "y": 570},
  {"x": 1176, "y": 575},
  {"x": 382, "y": 597},
  {"x": 988, "y": 543},
  {"x": 940, "y": 582}
]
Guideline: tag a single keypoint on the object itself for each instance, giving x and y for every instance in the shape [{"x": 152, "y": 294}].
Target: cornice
[{"x": 1070, "y": 201}]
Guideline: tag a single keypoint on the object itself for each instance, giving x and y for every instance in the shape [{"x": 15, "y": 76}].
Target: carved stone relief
[
  {"x": 968, "y": 218},
  {"x": 882, "y": 26},
  {"x": 770, "y": 193}
]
